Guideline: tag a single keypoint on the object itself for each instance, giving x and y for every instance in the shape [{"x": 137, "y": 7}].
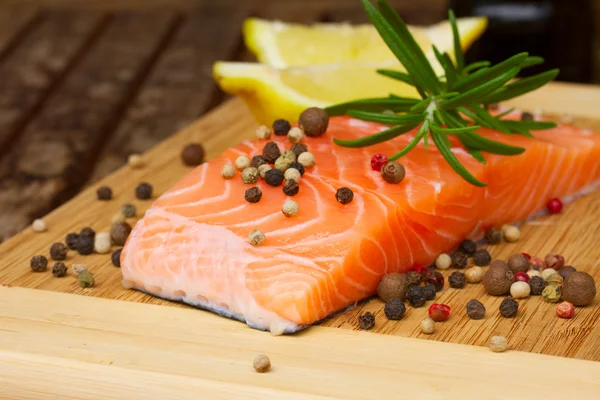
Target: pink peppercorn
[
  {"x": 522, "y": 276},
  {"x": 527, "y": 256},
  {"x": 378, "y": 161},
  {"x": 418, "y": 268},
  {"x": 565, "y": 310},
  {"x": 554, "y": 206},
  {"x": 439, "y": 312}
]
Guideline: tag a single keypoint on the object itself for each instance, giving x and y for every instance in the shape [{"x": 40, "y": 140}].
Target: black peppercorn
[
  {"x": 298, "y": 148},
  {"x": 526, "y": 116},
  {"x": 257, "y": 161},
  {"x": 271, "y": 152},
  {"x": 493, "y": 236},
  {"x": 85, "y": 242},
  {"x": 116, "y": 258},
  {"x": 366, "y": 321},
  {"x": 394, "y": 309},
  {"x": 298, "y": 166},
  {"x": 475, "y": 309},
  {"x": 119, "y": 232},
  {"x": 58, "y": 251},
  {"x": 59, "y": 269},
  {"x": 509, "y": 307},
  {"x": 413, "y": 278},
  {"x": 393, "y": 172},
  {"x": 253, "y": 195},
  {"x": 344, "y": 195},
  {"x": 72, "y": 239},
  {"x": 143, "y": 191},
  {"x": 459, "y": 259},
  {"x": 87, "y": 232},
  {"x": 104, "y": 193},
  {"x": 281, "y": 127},
  {"x": 291, "y": 188},
  {"x": 457, "y": 280},
  {"x": 436, "y": 279},
  {"x": 429, "y": 290},
  {"x": 193, "y": 154},
  {"x": 537, "y": 285},
  {"x": 416, "y": 296},
  {"x": 482, "y": 258},
  {"x": 274, "y": 177},
  {"x": 468, "y": 247},
  {"x": 38, "y": 263}
]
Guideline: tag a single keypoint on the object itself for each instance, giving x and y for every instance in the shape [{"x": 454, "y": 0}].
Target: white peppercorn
[
  {"x": 290, "y": 208},
  {"x": 228, "y": 171},
  {"x": 498, "y": 344},
  {"x": 39, "y": 225},
  {"x": 295, "y": 135},
  {"x": 78, "y": 269},
  {"x": 443, "y": 261},
  {"x": 292, "y": 174},
  {"x": 256, "y": 238},
  {"x": 262, "y": 170},
  {"x": 474, "y": 274},
  {"x": 102, "y": 242},
  {"x": 534, "y": 272},
  {"x": 307, "y": 159},
  {"x": 290, "y": 155},
  {"x": 520, "y": 290},
  {"x": 250, "y": 175},
  {"x": 283, "y": 163},
  {"x": 547, "y": 272},
  {"x": 242, "y": 162},
  {"x": 261, "y": 363},
  {"x": 511, "y": 233},
  {"x": 263, "y": 132},
  {"x": 135, "y": 161},
  {"x": 427, "y": 326}
]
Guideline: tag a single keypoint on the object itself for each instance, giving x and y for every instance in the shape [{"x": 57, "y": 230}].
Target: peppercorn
[
  {"x": 565, "y": 310},
  {"x": 256, "y": 238},
  {"x": 520, "y": 290},
  {"x": 228, "y": 171},
  {"x": 58, "y": 251},
  {"x": 392, "y": 286},
  {"x": 429, "y": 290},
  {"x": 313, "y": 121},
  {"x": 193, "y": 154},
  {"x": 128, "y": 210},
  {"x": 291, "y": 188},
  {"x": 257, "y": 161},
  {"x": 493, "y": 236},
  {"x": 509, "y": 307},
  {"x": 271, "y": 152},
  {"x": 289, "y": 155},
  {"x": 85, "y": 244},
  {"x": 104, "y": 193},
  {"x": 253, "y": 195},
  {"x": 344, "y": 195},
  {"x": 262, "y": 170},
  {"x": 482, "y": 258},
  {"x": 59, "y": 270},
  {"x": 457, "y": 280},
  {"x": 87, "y": 232},
  {"x": 86, "y": 279},
  {"x": 498, "y": 344},
  {"x": 274, "y": 177},
  {"x": 537, "y": 263},
  {"x": 475, "y": 309},
  {"x": 366, "y": 321},
  {"x": 118, "y": 217},
  {"x": 292, "y": 174},
  {"x": 468, "y": 247},
  {"x": 459, "y": 259},
  {"x": 533, "y": 272},
  {"x": 290, "y": 208},
  {"x": 511, "y": 233},
  {"x": 416, "y": 296},
  {"x": 551, "y": 294},
  {"x": 566, "y": 271},
  {"x": 547, "y": 272},
  {"x": 263, "y": 132},
  {"x": 555, "y": 261},
  {"x": 518, "y": 263},
  {"x": 282, "y": 163},
  {"x": 135, "y": 161},
  {"x": 579, "y": 288},
  {"x": 38, "y": 263},
  {"x": 72, "y": 239},
  {"x": 443, "y": 261},
  {"x": 78, "y": 269},
  {"x": 281, "y": 127},
  {"x": 307, "y": 159},
  {"x": 413, "y": 278},
  {"x": 143, "y": 191},
  {"x": 436, "y": 279},
  {"x": 526, "y": 116},
  {"x": 394, "y": 309},
  {"x": 378, "y": 161},
  {"x": 102, "y": 242},
  {"x": 250, "y": 175},
  {"x": 393, "y": 172},
  {"x": 554, "y": 279},
  {"x": 536, "y": 285},
  {"x": 39, "y": 225},
  {"x": 119, "y": 233},
  {"x": 298, "y": 148},
  {"x": 116, "y": 258},
  {"x": 295, "y": 135},
  {"x": 297, "y": 166},
  {"x": 261, "y": 363},
  {"x": 498, "y": 278},
  {"x": 427, "y": 326},
  {"x": 439, "y": 312},
  {"x": 554, "y": 206},
  {"x": 474, "y": 274},
  {"x": 242, "y": 162}
]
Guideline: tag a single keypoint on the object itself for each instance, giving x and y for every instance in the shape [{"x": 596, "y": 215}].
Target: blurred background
[{"x": 86, "y": 83}]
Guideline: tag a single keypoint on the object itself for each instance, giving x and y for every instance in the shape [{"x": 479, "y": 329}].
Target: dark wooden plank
[
  {"x": 54, "y": 156},
  {"x": 14, "y": 22},
  {"x": 40, "y": 59}
]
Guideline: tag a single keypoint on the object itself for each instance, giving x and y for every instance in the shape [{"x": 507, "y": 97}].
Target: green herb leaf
[
  {"x": 476, "y": 65},
  {"x": 379, "y": 137},
  {"x": 458, "y": 54},
  {"x": 386, "y": 118},
  {"x": 423, "y": 131},
  {"x": 396, "y": 104},
  {"x": 522, "y": 86},
  {"x": 443, "y": 144},
  {"x": 400, "y": 76},
  {"x": 485, "y": 74}
]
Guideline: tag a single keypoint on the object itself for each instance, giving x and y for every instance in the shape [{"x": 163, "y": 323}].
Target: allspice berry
[
  {"x": 518, "y": 263},
  {"x": 393, "y": 172},
  {"x": 193, "y": 154},
  {"x": 313, "y": 121},
  {"x": 392, "y": 286},
  {"x": 498, "y": 279},
  {"x": 566, "y": 270},
  {"x": 579, "y": 288}
]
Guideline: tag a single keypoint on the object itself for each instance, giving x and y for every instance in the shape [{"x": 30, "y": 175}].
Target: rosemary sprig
[{"x": 453, "y": 104}]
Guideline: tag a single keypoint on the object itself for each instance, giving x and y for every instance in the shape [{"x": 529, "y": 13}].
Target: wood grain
[
  {"x": 536, "y": 329},
  {"x": 70, "y": 347},
  {"x": 14, "y": 22}
]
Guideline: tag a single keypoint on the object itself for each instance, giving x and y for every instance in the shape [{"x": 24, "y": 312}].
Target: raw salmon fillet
[{"x": 192, "y": 244}]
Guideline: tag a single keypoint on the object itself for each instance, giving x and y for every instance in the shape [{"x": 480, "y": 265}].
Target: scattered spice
[
  {"x": 250, "y": 175},
  {"x": 39, "y": 225},
  {"x": 87, "y": 232},
  {"x": 509, "y": 307},
  {"x": 283, "y": 163},
  {"x": 555, "y": 261},
  {"x": 366, "y": 321},
  {"x": 291, "y": 188},
  {"x": 256, "y": 238},
  {"x": 38, "y": 263},
  {"x": 290, "y": 208},
  {"x": 85, "y": 244},
  {"x": 274, "y": 177},
  {"x": 512, "y": 234},
  {"x": 281, "y": 127},
  {"x": 102, "y": 242},
  {"x": 115, "y": 258},
  {"x": 263, "y": 132},
  {"x": 579, "y": 288},
  {"x": 86, "y": 279},
  {"x": 520, "y": 290},
  {"x": 459, "y": 259},
  {"x": 474, "y": 274},
  {"x": 468, "y": 247},
  {"x": 392, "y": 286},
  {"x": 416, "y": 296},
  {"x": 257, "y": 161},
  {"x": 429, "y": 290},
  {"x": 253, "y": 195},
  {"x": 242, "y": 162},
  {"x": 271, "y": 152},
  {"x": 534, "y": 272},
  {"x": 298, "y": 148},
  {"x": 493, "y": 236},
  {"x": 313, "y": 121},
  {"x": 394, "y": 309},
  {"x": 554, "y": 279},
  {"x": 297, "y": 166},
  {"x": 143, "y": 191},
  {"x": 393, "y": 172},
  {"x": 547, "y": 272},
  {"x": 59, "y": 270},
  {"x": 518, "y": 263},
  {"x": 261, "y": 363},
  {"x": 128, "y": 210},
  {"x": 118, "y": 217},
  {"x": 72, "y": 239},
  {"x": 292, "y": 174},
  {"x": 427, "y": 326},
  {"x": 228, "y": 171},
  {"x": 566, "y": 271},
  {"x": 262, "y": 170},
  {"x": 498, "y": 344},
  {"x": 482, "y": 258},
  {"x": 378, "y": 161},
  {"x": 522, "y": 277},
  {"x": 307, "y": 159},
  {"x": 295, "y": 135},
  {"x": 536, "y": 285},
  {"x": 526, "y": 116},
  {"x": 193, "y": 154},
  {"x": 413, "y": 278},
  {"x": 104, "y": 193},
  {"x": 475, "y": 309},
  {"x": 436, "y": 279},
  {"x": 344, "y": 195},
  {"x": 498, "y": 278},
  {"x": 135, "y": 161},
  {"x": 554, "y": 206},
  {"x": 439, "y": 312},
  {"x": 457, "y": 280},
  {"x": 565, "y": 310},
  {"x": 551, "y": 294},
  {"x": 78, "y": 269},
  {"x": 537, "y": 263},
  {"x": 58, "y": 251},
  {"x": 119, "y": 233},
  {"x": 443, "y": 261}
]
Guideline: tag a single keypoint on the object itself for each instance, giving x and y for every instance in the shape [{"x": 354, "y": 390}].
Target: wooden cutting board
[{"x": 78, "y": 340}]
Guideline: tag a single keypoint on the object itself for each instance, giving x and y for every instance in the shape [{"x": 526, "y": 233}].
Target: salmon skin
[{"x": 192, "y": 244}]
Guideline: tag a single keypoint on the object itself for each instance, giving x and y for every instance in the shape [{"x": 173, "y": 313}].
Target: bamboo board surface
[{"x": 575, "y": 233}]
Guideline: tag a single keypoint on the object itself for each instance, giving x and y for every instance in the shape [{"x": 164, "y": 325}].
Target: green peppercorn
[
  {"x": 344, "y": 195},
  {"x": 393, "y": 172},
  {"x": 283, "y": 163},
  {"x": 250, "y": 175},
  {"x": 86, "y": 279},
  {"x": 128, "y": 210},
  {"x": 551, "y": 294},
  {"x": 253, "y": 195}
]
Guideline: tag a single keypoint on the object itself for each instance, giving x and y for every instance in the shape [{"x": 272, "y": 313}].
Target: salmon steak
[{"x": 192, "y": 245}]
